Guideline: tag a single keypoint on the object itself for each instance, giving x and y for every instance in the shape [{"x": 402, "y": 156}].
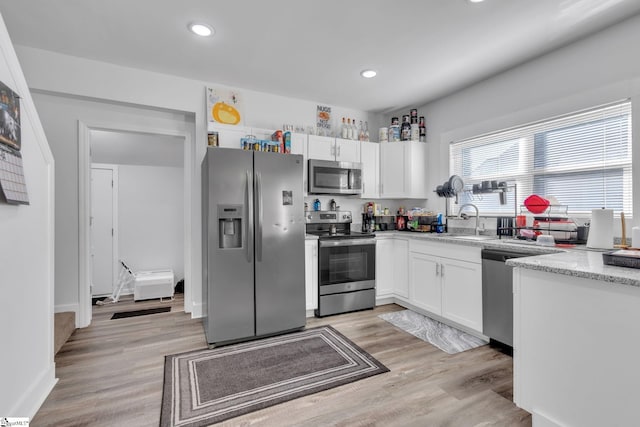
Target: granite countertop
[
  {"x": 585, "y": 264},
  {"x": 471, "y": 240}
]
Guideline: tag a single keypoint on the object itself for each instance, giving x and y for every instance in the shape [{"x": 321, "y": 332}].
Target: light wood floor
[{"x": 111, "y": 373}]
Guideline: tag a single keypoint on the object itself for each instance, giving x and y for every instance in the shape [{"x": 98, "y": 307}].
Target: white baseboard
[
  {"x": 385, "y": 300},
  {"x": 539, "y": 420},
  {"x": 29, "y": 404},
  {"x": 196, "y": 311}
]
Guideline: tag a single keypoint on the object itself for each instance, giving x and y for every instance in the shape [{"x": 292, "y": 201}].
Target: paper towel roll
[
  {"x": 601, "y": 230},
  {"x": 635, "y": 237}
]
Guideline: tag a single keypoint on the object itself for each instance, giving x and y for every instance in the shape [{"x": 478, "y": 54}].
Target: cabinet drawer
[{"x": 446, "y": 250}]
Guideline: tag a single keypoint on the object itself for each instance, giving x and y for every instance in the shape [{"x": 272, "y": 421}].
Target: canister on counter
[
  {"x": 394, "y": 133},
  {"x": 415, "y": 132},
  {"x": 383, "y": 135},
  {"x": 212, "y": 138}
]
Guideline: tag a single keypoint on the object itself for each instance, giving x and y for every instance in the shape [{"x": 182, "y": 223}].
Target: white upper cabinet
[
  {"x": 403, "y": 170},
  {"x": 370, "y": 159},
  {"x": 328, "y": 148},
  {"x": 347, "y": 150},
  {"x": 392, "y": 170}
]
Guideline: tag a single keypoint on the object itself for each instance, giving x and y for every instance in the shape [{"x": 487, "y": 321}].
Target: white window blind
[{"x": 583, "y": 159}]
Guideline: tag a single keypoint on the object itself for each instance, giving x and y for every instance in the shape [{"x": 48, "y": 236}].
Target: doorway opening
[{"x": 135, "y": 202}]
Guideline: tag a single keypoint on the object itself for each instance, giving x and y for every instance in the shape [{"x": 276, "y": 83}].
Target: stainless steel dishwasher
[{"x": 497, "y": 294}]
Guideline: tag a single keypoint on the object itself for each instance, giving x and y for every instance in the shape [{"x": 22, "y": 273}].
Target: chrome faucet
[{"x": 460, "y": 215}]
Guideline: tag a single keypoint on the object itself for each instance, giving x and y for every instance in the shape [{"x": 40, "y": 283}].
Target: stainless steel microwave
[{"x": 331, "y": 177}]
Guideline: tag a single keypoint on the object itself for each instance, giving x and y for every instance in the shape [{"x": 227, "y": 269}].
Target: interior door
[{"x": 102, "y": 232}]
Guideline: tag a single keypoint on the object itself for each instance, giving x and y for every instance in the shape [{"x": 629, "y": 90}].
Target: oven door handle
[{"x": 347, "y": 242}]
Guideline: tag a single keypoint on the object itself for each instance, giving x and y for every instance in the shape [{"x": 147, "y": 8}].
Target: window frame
[{"x": 525, "y": 174}]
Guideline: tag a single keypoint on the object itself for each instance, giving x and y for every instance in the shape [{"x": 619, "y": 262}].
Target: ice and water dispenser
[{"x": 229, "y": 226}]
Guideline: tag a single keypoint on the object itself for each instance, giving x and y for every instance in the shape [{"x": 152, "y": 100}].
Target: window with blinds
[{"x": 582, "y": 159}]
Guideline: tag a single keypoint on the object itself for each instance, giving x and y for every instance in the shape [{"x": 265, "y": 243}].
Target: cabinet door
[
  {"x": 424, "y": 282},
  {"x": 311, "y": 273},
  {"x": 384, "y": 267},
  {"x": 401, "y": 267},
  {"x": 299, "y": 146},
  {"x": 416, "y": 169},
  {"x": 462, "y": 293},
  {"x": 370, "y": 159},
  {"x": 321, "y": 147},
  {"x": 392, "y": 170},
  {"x": 347, "y": 150}
]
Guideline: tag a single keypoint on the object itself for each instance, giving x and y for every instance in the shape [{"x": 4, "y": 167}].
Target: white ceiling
[
  {"x": 130, "y": 148},
  {"x": 422, "y": 49}
]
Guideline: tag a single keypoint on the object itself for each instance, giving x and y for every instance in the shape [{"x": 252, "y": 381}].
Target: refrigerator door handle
[
  {"x": 259, "y": 219},
  {"x": 249, "y": 213}
]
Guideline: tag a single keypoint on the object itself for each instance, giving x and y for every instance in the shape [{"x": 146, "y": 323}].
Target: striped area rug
[{"x": 208, "y": 386}]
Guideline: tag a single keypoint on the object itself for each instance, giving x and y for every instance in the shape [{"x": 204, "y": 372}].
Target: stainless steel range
[{"x": 346, "y": 263}]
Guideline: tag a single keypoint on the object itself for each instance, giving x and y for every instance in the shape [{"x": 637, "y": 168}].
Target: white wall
[
  {"x": 26, "y": 262},
  {"x": 150, "y": 218},
  {"x": 599, "y": 69},
  {"x": 60, "y": 115},
  {"x": 119, "y": 89}
]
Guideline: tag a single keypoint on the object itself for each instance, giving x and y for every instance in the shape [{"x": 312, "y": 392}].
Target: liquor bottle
[
  {"x": 423, "y": 130},
  {"x": 361, "y": 132},
  {"x": 414, "y": 116},
  {"x": 354, "y": 129},
  {"x": 405, "y": 129},
  {"x": 343, "y": 131},
  {"x": 349, "y": 130},
  {"x": 366, "y": 131}
]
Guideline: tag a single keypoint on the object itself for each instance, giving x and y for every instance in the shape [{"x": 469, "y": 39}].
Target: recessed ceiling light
[
  {"x": 367, "y": 74},
  {"x": 476, "y": 1},
  {"x": 203, "y": 30}
]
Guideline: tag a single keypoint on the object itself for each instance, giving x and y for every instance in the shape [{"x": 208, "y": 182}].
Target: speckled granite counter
[
  {"x": 585, "y": 264},
  {"x": 470, "y": 240}
]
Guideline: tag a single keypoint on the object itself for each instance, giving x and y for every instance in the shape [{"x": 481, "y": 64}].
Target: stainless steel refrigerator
[{"x": 253, "y": 244}]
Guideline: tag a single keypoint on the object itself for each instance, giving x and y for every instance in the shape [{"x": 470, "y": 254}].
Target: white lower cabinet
[
  {"x": 447, "y": 287},
  {"x": 384, "y": 267},
  {"x": 424, "y": 281},
  {"x": 311, "y": 273},
  {"x": 392, "y": 267},
  {"x": 400, "y": 261},
  {"x": 462, "y": 293}
]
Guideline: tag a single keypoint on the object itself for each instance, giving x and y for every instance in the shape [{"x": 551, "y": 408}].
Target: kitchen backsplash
[{"x": 356, "y": 204}]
